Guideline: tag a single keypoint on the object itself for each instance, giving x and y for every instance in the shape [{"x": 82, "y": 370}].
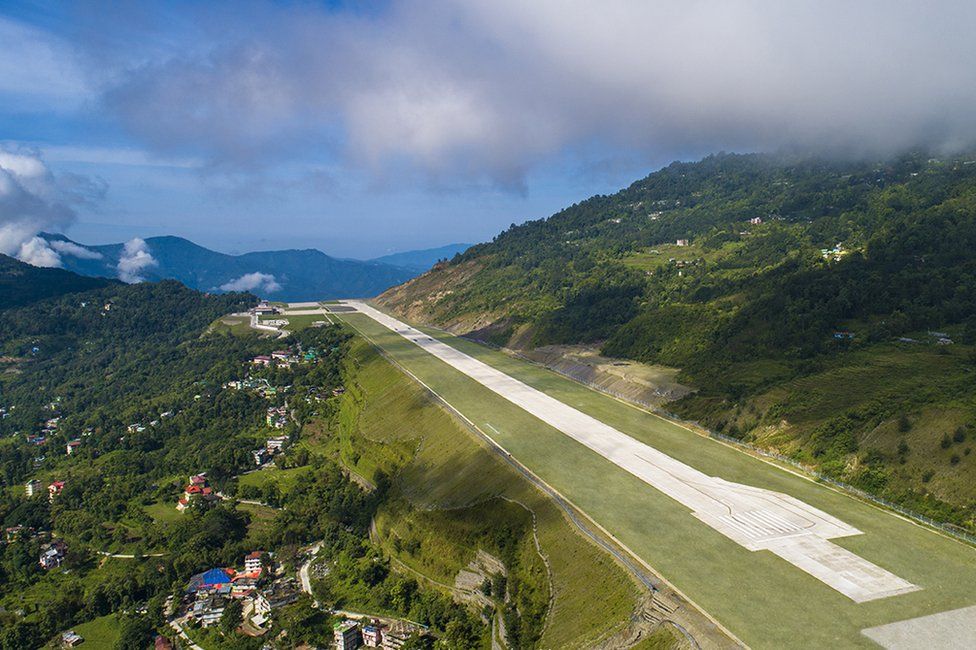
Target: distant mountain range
[
  {"x": 307, "y": 274},
  {"x": 422, "y": 260}
]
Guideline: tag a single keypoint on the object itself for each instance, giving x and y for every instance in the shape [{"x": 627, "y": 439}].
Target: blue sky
[{"x": 366, "y": 128}]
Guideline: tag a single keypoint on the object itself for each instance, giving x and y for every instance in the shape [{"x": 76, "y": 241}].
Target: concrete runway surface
[{"x": 757, "y": 519}]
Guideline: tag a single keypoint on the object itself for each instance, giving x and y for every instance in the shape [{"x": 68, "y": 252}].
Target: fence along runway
[{"x": 756, "y": 518}]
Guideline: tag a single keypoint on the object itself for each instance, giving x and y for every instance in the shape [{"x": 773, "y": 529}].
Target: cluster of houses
[
  {"x": 52, "y": 552},
  {"x": 271, "y": 447},
  {"x": 277, "y": 417},
  {"x": 350, "y": 634},
  {"x": 260, "y": 386},
  {"x": 34, "y": 487},
  {"x": 286, "y": 358},
  {"x": 208, "y": 593},
  {"x": 197, "y": 490}
]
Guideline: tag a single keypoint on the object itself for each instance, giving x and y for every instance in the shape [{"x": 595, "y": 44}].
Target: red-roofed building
[
  {"x": 198, "y": 489},
  {"x": 54, "y": 489},
  {"x": 254, "y": 561}
]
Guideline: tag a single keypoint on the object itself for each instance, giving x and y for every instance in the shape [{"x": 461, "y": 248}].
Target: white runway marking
[{"x": 757, "y": 519}]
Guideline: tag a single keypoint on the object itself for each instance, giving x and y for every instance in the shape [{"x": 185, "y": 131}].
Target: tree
[
  {"x": 136, "y": 633},
  {"x": 232, "y": 617}
]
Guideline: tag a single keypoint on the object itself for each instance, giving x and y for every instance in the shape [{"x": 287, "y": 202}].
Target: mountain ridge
[{"x": 289, "y": 274}]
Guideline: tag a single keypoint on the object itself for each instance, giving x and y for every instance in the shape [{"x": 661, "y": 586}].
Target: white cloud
[
  {"x": 74, "y": 250},
  {"x": 37, "y": 252},
  {"x": 31, "y": 199},
  {"x": 488, "y": 88},
  {"x": 135, "y": 259},
  {"x": 260, "y": 282}
]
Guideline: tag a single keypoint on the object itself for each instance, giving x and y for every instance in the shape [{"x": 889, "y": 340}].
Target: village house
[
  {"x": 277, "y": 443},
  {"x": 71, "y": 639},
  {"x": 681, "y": 242},
  {"x": 397, "y": 634},
  {"x": 261, "y": 456},
  {"x": 162, "y": 643},
  {"x": 208, "y": 610},
  {"x": 261, "y": 360},
  {"x": 72, "y": 446},
  {"x": 277, "y": 417},
  {"x": 254, "y": 561},
  {"x": 756, "y": 221},
  {"x": 372, "y": 636},
  {"x": 18, "y": 532},
  {"x": 54, "y": 489},
  {"x": 243, "y": 586},
  {"x": 346, "y": 635},
  {"x": 32, "y": 487},
  {"x": 281, "y": 355},
  {"x": 52, "y": 555},
  {"x": 277, "y": 594}
]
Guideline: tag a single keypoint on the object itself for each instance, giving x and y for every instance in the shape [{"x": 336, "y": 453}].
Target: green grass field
[
  {"x": 285, "y": 479},
  {"x": 163, "y": 512},
  {"x": 100, "y": 633},
  {"x": 450, "y": 484},
  {"x": 761, "y": 598}
]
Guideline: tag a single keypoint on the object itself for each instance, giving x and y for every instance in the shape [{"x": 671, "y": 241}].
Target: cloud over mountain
[
  {"x": 485, "y": 89},
  {"x": 261, "y": 282},
  {"x": 30, "y": 200},
  {"x": 134, "y": 260}
]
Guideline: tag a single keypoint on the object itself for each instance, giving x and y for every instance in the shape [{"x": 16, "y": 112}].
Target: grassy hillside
[
  {"x": 455, "y": 497},
  {"x": 792, "y": 279}
]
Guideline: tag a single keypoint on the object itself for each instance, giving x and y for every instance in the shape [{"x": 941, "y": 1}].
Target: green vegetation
[
  {"x": 798, "y": 276},
  {"x": 452, "y": 497},
  {"x": 101, "y": 633},
  {"x": 744, "y": 590},
  {"x": 22, "y": 284}
]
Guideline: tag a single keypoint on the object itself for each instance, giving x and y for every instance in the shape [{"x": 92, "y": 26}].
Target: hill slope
[
  {"x": 22, "y": 284},
  {"x": 285, "y": 275},
  {"x": 777, "y": 285}
]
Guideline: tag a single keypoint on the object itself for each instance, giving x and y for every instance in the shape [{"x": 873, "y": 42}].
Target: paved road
[
  {"x": 756, "y": 518},
  {"x": 177, "y": 625},
  {"x": 303, "y": 575},
  {"x": 129, "y": 556}
]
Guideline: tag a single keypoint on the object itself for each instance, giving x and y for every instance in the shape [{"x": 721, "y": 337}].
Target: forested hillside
[
  {"x": 22, "y": 284},
  {"x": 110, "y": 400},
  {"x": 822, "y": 309}
]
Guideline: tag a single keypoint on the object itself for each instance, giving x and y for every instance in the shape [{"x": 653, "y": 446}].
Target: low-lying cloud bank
[
  {"x": 260, "y": 282},
  {"x": 487, "y": 88},
  {"x": 74, "y": 250}
]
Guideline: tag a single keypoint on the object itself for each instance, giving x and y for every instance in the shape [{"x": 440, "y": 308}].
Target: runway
[{"x": 756, "y": 518}]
